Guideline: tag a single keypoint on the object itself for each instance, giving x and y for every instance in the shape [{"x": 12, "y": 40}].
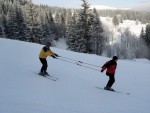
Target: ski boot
[
  {"x": 42, "y": 74},
  {"x": 109, "y": 88}
]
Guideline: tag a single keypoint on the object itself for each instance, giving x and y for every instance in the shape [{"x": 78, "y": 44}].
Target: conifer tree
[
  {"x": 115, "y": 21},
  {"x": 58, "y": 25},
  {"x": 82, "y": 38},
  {"x": 32, "y": 21},
  {"x": 96, "y": 33},
  {"x": 16, "y": 23},
  {"x": 48, "y": 28},
  {"x": 70, "y": 33},
  {"x": 21, "y": 24},
  {"x": 142, "y": 35},
  {"x": 3, "y": 26},
  {"x": 12, "y": 24},
  {"x": 147, "y": 34}
]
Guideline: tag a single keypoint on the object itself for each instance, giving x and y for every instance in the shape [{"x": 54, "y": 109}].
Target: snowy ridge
[
  {"x": 23, "y": 91},
  {"x": 102, "y": 7},
  {"x": 143, "y": 7}
]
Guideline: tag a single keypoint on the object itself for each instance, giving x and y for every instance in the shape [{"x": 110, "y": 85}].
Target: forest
[{"x": 81, "y": 29}]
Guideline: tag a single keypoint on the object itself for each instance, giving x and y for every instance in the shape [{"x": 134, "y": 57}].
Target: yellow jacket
[{"x": 45, "y": 52}]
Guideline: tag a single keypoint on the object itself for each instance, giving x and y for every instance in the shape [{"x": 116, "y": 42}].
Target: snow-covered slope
[{"x": 23, "y": 91}]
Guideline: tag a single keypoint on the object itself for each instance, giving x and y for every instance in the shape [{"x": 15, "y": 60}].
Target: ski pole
[
  {"x": 77, "y": 63},
  {"x": 80, "y": 61},
  {"x": 87, "y": 67},
  {"x": 67, "y": 61},
  {"x": 88, "y": 64}
]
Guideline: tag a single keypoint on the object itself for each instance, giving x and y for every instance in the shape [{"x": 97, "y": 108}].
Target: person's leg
[
  {"x": 111, "y": 81},
  {"x": 44, "y": 65}
]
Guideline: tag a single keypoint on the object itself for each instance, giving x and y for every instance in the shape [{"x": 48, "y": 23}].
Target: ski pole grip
[{"x": 80, "y": 62}]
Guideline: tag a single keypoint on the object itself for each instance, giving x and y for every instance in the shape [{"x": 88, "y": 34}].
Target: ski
[
  {"x": 113, "y": 91},
  {"x": 49, "y": 77},
  {"x": 52, "y": 76}
]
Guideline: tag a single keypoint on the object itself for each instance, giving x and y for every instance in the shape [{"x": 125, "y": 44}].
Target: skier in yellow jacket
[{"x": 46, "y": 51}]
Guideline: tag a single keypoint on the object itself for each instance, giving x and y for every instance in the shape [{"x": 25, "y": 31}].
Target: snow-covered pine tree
[
  {"x": 84, "y": 14},
  {"x": 16, "y": 23},
  {"x": 124, "y": 45},
  {"x": 115, "y": 21},
  {"x": 147, "y": 38},
  {"x": 12, "y": 24},
  {"x": 48, "y": 28},
  {"x": 96, "y": 33},
  {"x": 3, "y": 26},
  {"x": 142, "y": 35},
  {"x": 70, "y": 33},
  {"x": 57, "y": 19},
  {"x": 21, "y": 24},
  {"x": 6, "y": 6},
  {"x": 63, "y": 23},
  {"x": 43, "y": 29},
  {"x": 147, "y": 34},
  {"x": 81, "y": 29},
  {"x": 32, "y": 21},
  {"x": 79, "y": 36}
]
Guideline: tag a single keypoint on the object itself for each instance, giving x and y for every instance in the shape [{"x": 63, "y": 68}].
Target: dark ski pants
[
  {"x": 44, "y": 65},
  {"x": 111, "y": 80}
]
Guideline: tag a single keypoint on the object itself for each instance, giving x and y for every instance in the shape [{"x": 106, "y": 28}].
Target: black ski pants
[
  {"x": 111, "y": 80},
  {"x": 44, "y": 64}
]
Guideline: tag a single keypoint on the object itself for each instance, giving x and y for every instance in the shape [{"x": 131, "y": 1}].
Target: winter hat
[
  {"x": 115, "y": 58},
  {"x": 48, "y": 44}
]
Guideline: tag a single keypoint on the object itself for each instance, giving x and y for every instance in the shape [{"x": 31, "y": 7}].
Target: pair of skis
[
  {"x": 114, "y": 91},
  {"x": 49, "y": 77},
  {"x": 55, "y": 79}
]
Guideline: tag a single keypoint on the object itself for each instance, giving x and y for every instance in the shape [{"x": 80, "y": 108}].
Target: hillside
[{"x": 23, "y": 91}]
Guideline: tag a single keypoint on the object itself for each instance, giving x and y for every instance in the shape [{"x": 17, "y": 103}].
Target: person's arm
[
  {"x": 52, "y": 54},
  {"x": 106, "y": 65}
]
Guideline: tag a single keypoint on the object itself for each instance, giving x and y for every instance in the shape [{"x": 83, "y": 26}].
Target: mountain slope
[{"x": 23, "y": 91}]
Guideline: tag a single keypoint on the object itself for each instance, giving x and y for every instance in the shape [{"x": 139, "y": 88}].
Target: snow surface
[{"x": 23, "y": 91}]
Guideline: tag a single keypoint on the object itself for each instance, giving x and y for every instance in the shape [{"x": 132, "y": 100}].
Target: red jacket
[{"x": 110, "y": 66}]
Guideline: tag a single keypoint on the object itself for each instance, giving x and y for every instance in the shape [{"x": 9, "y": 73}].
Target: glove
[
  {"x": 56, "y": 55},
  {"x": 102, "y": 71},
  {"x": 53, "y": 56}
]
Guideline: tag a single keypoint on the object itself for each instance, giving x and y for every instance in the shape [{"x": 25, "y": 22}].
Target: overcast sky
[{"x": 77, "y": 3}]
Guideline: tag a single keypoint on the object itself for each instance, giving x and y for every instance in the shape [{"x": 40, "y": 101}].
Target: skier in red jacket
[{"x": 111, "y": 67}]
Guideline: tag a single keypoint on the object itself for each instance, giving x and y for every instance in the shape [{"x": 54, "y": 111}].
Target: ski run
[{"x": 74, "y": 91}]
